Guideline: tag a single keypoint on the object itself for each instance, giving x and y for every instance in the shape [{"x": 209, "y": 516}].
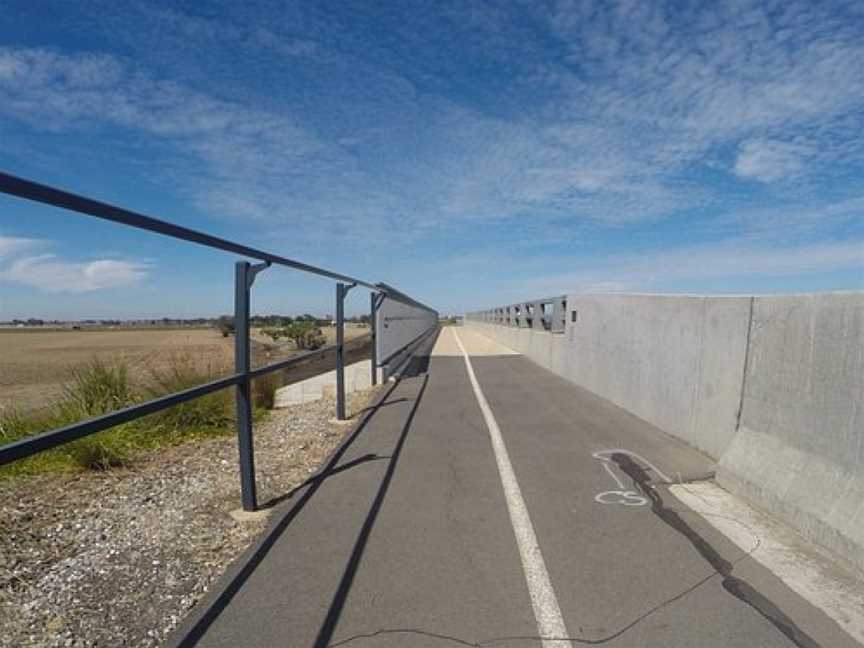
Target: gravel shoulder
[{"x": 118, "y": 558}]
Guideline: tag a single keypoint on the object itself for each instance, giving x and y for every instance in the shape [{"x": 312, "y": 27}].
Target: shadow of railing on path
[{"x": 246, "y": 566}]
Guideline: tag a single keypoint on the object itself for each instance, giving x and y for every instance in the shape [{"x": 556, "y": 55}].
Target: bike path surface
[{"x": 407, "y": 539}]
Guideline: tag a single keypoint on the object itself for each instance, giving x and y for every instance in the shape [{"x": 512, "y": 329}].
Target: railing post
[
  {"x": 243, "y": 277},
  {"x": 341, "y": 291},
  {"x": 340, "y": 351},
  {"x": 373, "y": 353}
]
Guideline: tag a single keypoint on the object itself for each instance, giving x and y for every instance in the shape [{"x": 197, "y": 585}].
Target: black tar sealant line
[{"x": 738, "y": 588}]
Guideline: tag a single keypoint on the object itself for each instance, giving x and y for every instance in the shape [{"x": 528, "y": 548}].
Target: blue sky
[{"x": 471, "y": 153}]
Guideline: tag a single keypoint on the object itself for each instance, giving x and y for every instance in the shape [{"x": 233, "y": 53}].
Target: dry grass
[{"x": 35, "y": 364}]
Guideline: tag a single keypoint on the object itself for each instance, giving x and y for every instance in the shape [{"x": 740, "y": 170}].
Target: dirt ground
[
  {"x": 119, "y": 557},
  {"x": 35, "y": 363}
]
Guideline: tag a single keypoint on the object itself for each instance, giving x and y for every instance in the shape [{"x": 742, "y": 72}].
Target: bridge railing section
[
  {"x": 395, "y": 317},
  {"x": 400, "y": 325},
  {"x": 548, "y": 314}
]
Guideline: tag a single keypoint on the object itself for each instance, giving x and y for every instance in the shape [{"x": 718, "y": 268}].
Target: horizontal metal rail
[
  {"x": 300, "y": 358},
  {"x": 36, "y": 192},
  {"x": 243, "y": 374},
  {"x": 47, "y": 440},
  {"x": 51, "y": 439}
]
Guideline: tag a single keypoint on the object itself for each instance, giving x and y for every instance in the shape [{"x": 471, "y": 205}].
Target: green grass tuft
[{"x": 99, "y": 387}]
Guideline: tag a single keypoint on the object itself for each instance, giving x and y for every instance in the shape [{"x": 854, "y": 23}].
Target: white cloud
[
  {"x": 10, "y": 245},
  {"x": 54, "y": 275},
  {"x": 722, "y": 74},
  {"x": 768, "y": 161},
  {"x": 614, "y": 123},
  {"x": 50, "y": 273}
]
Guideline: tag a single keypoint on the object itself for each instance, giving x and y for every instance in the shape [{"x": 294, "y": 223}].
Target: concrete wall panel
[
  {"x": 676, "y": 362},
  {"x": 800, "y": 449},
  {"x": 771, "y": 387}
]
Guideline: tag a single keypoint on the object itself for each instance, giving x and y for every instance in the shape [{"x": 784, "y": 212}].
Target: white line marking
[
  {"x": 550, "y": 622},
  {"x": 611, "y": 472}
]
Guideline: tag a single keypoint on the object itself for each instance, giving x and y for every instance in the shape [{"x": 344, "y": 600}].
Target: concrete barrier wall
[
  {"x": 799, "y": 450},
  {"x": 677, "y": 362},
  {"x": 771, "y": 387}
]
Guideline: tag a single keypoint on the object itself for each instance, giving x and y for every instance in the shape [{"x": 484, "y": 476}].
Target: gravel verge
[{"x": 118, "y": 558}]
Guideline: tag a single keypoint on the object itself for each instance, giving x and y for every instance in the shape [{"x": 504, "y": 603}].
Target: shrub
[
  {"x": 274, "y": 334},
  {"x": 92, "y": 389},
  {"x": 91, "y": 453},
  {"x": 95, "y": 388},
  {"x": 264, "y": 390},
  {"x": 99, "y": 387},
  {"x": 305, "y": 334},
  {"x": 14, "y": 426},
  {"x": 204, "y": 414},
  {"x": 225, "y": 324}
]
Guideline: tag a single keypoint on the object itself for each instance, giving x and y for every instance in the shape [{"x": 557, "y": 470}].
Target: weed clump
[{"x": 100, "y": 387}]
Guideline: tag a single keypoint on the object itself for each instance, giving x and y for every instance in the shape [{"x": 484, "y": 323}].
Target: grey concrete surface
[
  {"x": 799, "y": 451},
  {"x": 771, "y": 387},
  {"x": 406, "y": 540},
  {"x": 675, "y": 361}
]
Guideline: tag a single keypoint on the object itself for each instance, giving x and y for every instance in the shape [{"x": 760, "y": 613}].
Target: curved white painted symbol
[
  {"x": 622, "y": 495},
  {"x": 627, "y": 498},
  {"x": 604, "y": 455}
]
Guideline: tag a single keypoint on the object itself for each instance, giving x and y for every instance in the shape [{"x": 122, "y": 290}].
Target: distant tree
[
  {"x": 304, "y": 334},
  {"x": 225, "y": 324},
  {"x": 274, "y": 334}
]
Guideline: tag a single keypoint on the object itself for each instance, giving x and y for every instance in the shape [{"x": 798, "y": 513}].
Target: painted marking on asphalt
[
  {"x": 550, "y": 622},
  {"x": 605, "y": 455},
  {"x": 622, "y": 495},
  {"x": 611, "y": 472}
]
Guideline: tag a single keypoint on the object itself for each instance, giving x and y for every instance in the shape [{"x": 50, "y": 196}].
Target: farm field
[{"x": 35, "y": 363}]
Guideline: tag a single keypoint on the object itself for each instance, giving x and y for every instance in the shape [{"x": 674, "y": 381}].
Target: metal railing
[
  {"x": 548, "y": 314},
  {"x": 241, "y": 379}
]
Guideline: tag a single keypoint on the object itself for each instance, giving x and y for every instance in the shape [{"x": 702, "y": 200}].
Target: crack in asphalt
[
  {"x": 739, "y": 588},
  {"x": 672, "y": 517}
]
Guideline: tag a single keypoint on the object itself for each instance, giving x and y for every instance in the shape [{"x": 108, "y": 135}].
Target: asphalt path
[{"x": 506, "y": 509}]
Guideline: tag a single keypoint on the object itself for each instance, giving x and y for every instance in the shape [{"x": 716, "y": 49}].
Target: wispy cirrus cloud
[
  {"x": 50, "y": 273},
  {"x": 54, "y": 275},
  {"x": 596, "y": 121},
  {"x": 770, "y": 160},
  {"x": 10, "y": 245},
  {"x": 725, "y": 259},
  {"x": 622, "y": 103}
]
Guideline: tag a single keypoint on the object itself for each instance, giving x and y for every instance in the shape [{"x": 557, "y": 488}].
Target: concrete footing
[{"x": 358, "y": 376}]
